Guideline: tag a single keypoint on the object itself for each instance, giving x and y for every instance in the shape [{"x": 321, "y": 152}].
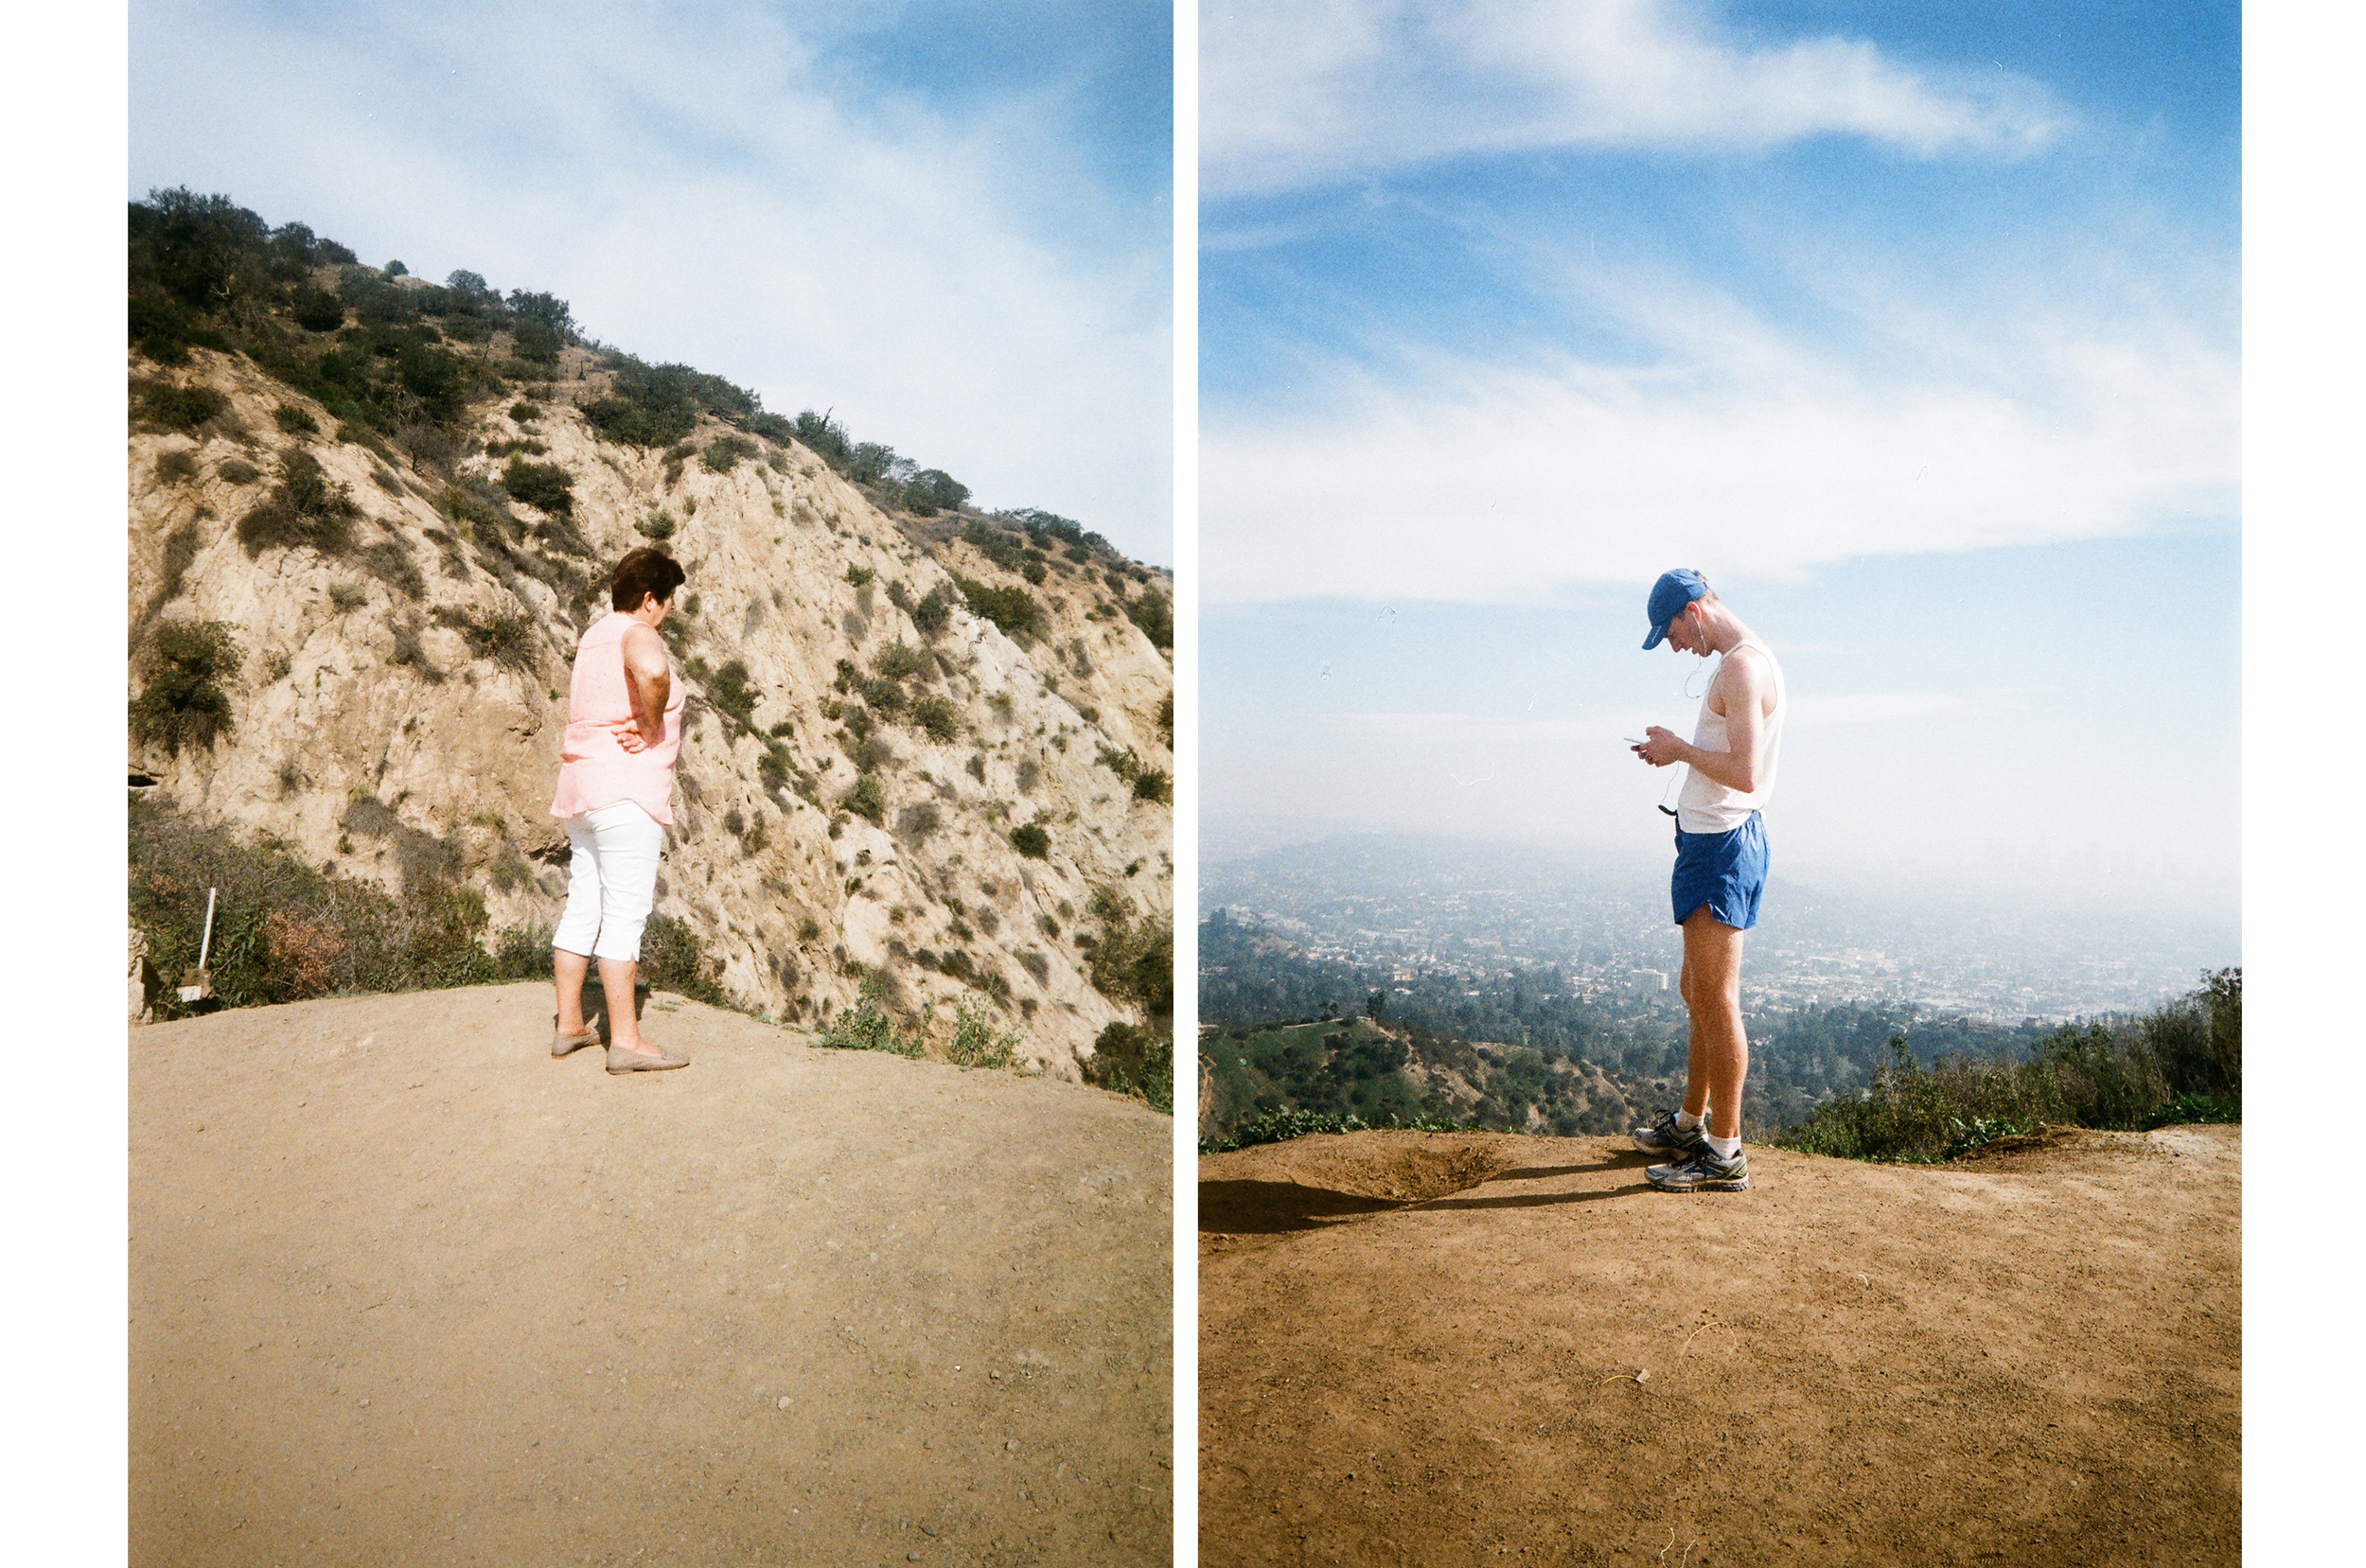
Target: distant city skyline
[
  {"x": 1445, "y": 907},
  {"x": 1915, "y": 331}
]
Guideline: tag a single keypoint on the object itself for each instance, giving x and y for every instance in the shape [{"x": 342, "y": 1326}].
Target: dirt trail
[
  {"x": 404, "y": 1289},
  {"x": 2029, "y": 1359}
]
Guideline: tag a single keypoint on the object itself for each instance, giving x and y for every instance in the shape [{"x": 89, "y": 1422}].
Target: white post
[{"x": 206, "y": 946}]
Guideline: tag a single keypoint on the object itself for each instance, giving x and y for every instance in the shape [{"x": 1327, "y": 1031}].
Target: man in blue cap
[{"x": 1721, "y": 870}]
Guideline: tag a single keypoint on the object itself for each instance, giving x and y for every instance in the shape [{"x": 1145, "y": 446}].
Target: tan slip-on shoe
[
  {"x": 562, "y": 1044},
  {"x": 621, "y": 1060}
]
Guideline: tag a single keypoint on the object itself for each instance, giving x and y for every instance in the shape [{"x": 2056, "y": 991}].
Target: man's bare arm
[
  {"x": 1736, "y": 767},
  {"x": 649, "y": 677}
]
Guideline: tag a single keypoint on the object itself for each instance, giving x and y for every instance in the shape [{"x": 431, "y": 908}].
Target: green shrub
[
  {"x": 2145, "y": 1072},
  {"x": 933, "y": 490},
  {"x": 1126, "y": 765},
  {"x": 658, "y": 405},
  {"x": 1282, "y": 1126},
  {"x": 1154, "y": 785},
  {"x": 975, "y": 1042},
  {"x": 934, "y": 610},
  {"x": 900, "y": 661},
  {"x": 860, "y": 575},
  {"x": 724, "y": 452},
  {"x": 295, "y": 421},
  {"x": 868, "y": 799},
  {"x": 545, "y": 486},
  {"x": 2184, "y": 1108},
  {"x": 1129, "y": 1059},
  {"x": 1155, "y": 616},
  {"x": 183, "y": 703},
  {"x": 318, "y": 311},
  {"x": 823, "y": 435},
  {"x": 284, "y": 931},
  {"x": 524, "y": 412},
  {"x": 509, "y": 639},
  {"x": 1014, "y": 609},
  {"x": 937, "y": 718},
  {"x": 1135, "y": 964},
  {"x": 732, "y": 695},
  {"x": 657, "y": 528},
  {"x": 533, "y": 342},
  {"x": 867, "y": 1026},
  {"x": 772, "y": 768},
  {"x": 177, "y": 466},
  {"x": 1031, "y": 841},
  {"x": 522, "y": 952},
  {"x": 671, "y": 960},
  {"x": 181, "y": 408},
  {"x": 306, "y": 509}
]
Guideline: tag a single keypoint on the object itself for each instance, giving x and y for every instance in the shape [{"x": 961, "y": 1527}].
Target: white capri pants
[{"x": 611, "y": 881}]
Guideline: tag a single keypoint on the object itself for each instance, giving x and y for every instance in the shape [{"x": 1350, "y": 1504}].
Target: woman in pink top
[{"x": 616, "y": 796}]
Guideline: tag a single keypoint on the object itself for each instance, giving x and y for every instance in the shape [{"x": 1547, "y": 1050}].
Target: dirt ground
[
  {"x": 1429, "y": 1348},
  {"x": 406, "y": 1290}
]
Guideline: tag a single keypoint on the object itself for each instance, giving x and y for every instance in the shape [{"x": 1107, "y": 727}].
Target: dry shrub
[{"x": 284, "y": 931}]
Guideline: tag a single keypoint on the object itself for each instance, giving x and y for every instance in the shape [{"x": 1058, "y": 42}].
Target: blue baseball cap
[{"x": 1670, "y": 595}]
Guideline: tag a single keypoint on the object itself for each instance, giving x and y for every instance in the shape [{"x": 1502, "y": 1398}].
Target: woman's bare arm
[{"x": 649, "y": 678}]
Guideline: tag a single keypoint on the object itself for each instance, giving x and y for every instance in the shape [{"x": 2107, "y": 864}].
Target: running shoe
[
  {"x": 1664, "y": 1136},
  {"x": 1702, "y": 1171}
]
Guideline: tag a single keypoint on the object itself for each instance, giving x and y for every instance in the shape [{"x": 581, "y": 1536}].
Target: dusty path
[
  {"x": 405, "y": 1290},
  {"x": 2031, "y": 1358}
]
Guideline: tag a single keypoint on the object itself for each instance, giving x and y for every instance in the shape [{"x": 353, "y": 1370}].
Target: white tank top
[{"x": 1707, "y": 806}]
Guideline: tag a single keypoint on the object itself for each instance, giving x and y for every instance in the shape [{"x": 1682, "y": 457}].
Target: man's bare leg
[
  {"x": 569, "y": 970},
  {"x": 1719, "y": 1058},
  {"x": 1696, "y": 1046}
]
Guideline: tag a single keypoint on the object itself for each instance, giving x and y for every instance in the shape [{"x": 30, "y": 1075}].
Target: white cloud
[
  {"x": 701, "y": 189},
  {"x": 1307, "y": 91},
  {"x": 1737, "y": 448}
]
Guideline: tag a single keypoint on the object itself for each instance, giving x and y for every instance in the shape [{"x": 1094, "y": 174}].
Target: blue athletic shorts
[{"x": 1724, "y": 870}]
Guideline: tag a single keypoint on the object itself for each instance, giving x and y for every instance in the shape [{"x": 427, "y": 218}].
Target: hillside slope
[
  {"x": 857, "y": 756},
  {"x": 404, "y": 1289},
  {"x": 1463, "y": 1347}
]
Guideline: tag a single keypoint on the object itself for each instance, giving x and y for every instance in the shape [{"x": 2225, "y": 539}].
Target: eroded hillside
[{"x": 881, "y": 704}]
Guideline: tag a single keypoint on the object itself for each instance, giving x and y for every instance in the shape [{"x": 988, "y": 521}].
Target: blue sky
[
  {"x": 950, "y": 222},
  {"x": 1914, "y": 327}
]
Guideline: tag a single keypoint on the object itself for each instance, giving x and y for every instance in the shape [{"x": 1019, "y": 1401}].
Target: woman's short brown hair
[{"x": 642, "y": 572}]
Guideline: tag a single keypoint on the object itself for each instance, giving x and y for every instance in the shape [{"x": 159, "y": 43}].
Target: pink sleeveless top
[{"x": 595, "y": 769}]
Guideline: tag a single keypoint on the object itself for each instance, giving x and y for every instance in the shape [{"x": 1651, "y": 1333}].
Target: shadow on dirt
[
  {"x": 1535, "y": 1200},
  {"x": 1636, "y": 1161},
  {"x": 1266, "y": 1208}
]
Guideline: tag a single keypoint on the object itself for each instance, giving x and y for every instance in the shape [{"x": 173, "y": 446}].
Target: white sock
[
  {"x": 1687, "y": 1121},
  {"x": 1725, "y": 1148}
]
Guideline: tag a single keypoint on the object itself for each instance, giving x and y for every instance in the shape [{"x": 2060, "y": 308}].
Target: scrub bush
[
  {"x": 181, "y": 408},
  {"x": 545, "y": 486},
  {"x": 183, "y": 703},
  {"x": 1129, "y": 1059},
  {"x": 306, "y": 509}
]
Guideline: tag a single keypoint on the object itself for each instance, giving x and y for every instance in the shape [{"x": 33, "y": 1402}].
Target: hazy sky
[
  {"x": 950, "y": 222},
  {"x": 1912, "y": 326}
]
